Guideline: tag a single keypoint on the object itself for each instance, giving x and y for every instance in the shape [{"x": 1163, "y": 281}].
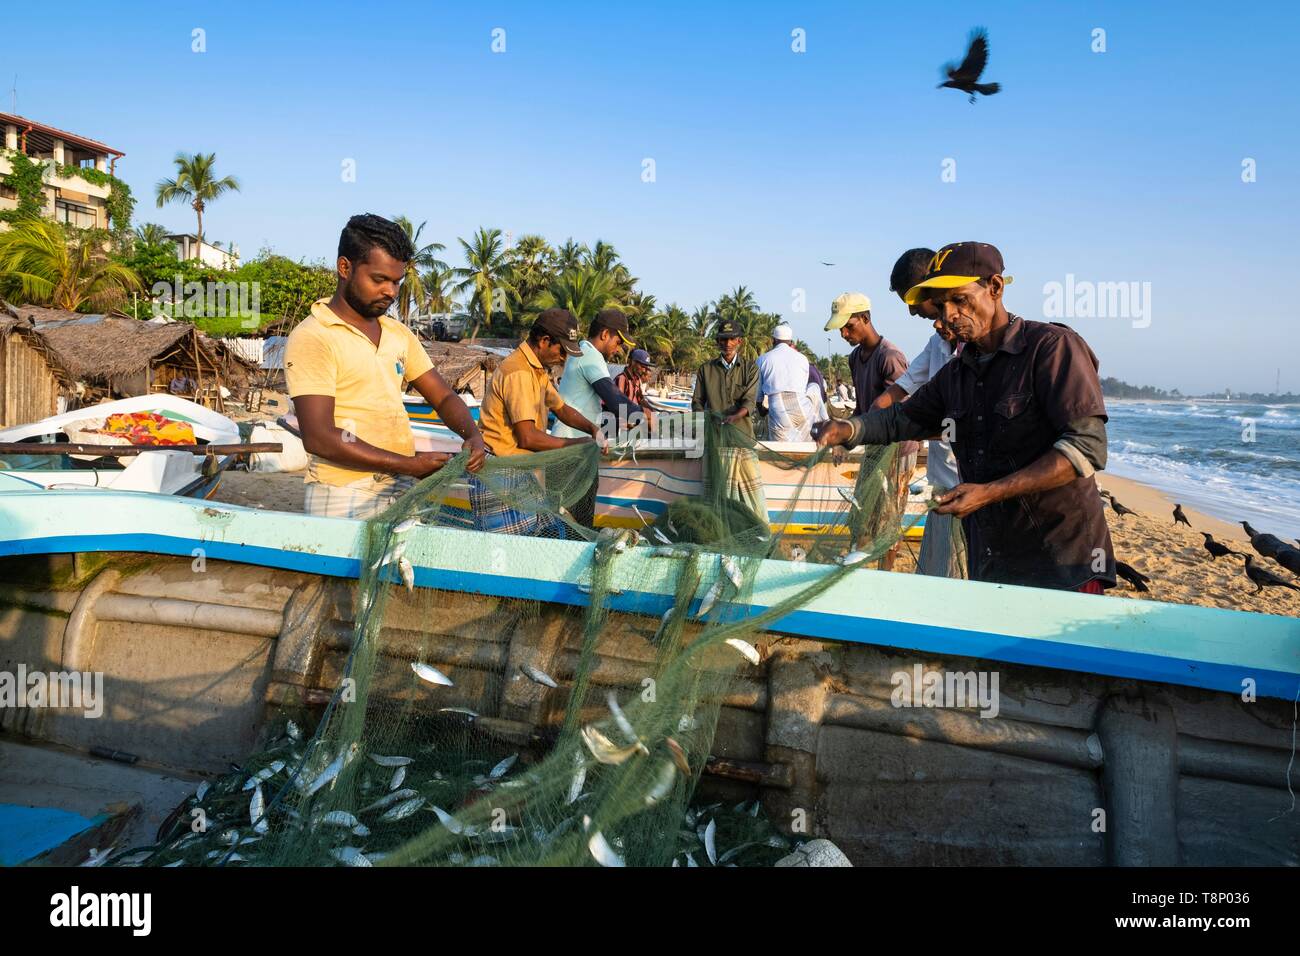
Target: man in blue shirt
[{"x": 587, "y": 386}]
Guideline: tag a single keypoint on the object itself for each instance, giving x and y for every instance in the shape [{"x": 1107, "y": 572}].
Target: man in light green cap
[{"x": 875, "y": 362}]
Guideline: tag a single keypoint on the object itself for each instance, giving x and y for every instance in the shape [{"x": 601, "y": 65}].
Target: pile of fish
[{"x": 244, "y": 817}]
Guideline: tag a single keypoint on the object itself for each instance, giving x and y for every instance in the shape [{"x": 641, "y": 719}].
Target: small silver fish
[
  {"x": 393, "y": 554},
  {"x": 710, "y": 598},
  {"x": 661, "y": 536},
  {"x": 599, "y": 847},
  {"x": 332, "y": 770},
  {"x": 361, "y": 830},
  {"x": 671, "y": 526},
  {"x": 663, "y": 623},
  {"x": 407, "y": 571},
  {"x": 431, "y": 674},
  {"x": 679, "y": 756},
  {"x": 579, "y": 778},
  {"x": 670, "y": 551},
  {"x": 471, "y": 714},
  {"x": 202, "y": 791},
  {"x": 620, "y": 718},
  {"x": 390, "y": 798},
  {"x": 663, "y": 784},
  {"x": 848, "y": 496},
  {"x": 732, "y": 569},
  {"x": 404, "y": 526},
  {"x": 539, "y": 676},
  {"x": 257, "y": 810},
  {"x": 501, "y": 769},
  {"x": 710, "y": 841},
  {"x": 454, "y": 825},
  {"x": 292, "y": 730},
  {"x": 383, "y": 761},
  {"x": 748, "y": 651},
  {"x": 852, "y": 558},
  {"x": 798, "y": 554},
  {"x": 403, "y": 810},
  {"x": 339, "y": 818},
  {"x": 398, "y": 776},
  {"x": 350, "y": 856},
  {"x": 605, "y": 750}
]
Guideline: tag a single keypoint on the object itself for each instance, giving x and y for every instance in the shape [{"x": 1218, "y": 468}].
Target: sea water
[{"x": 1232, "y": 460}]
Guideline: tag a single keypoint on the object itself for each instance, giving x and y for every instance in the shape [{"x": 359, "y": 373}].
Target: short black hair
[
  {"x": 364, "y": 232},
  {"x": 910, "y": 269}
]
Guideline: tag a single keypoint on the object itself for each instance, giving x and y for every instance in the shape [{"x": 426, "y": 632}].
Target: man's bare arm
[
  {"x": 531, "y": 438},
  {"x": 454, "y": 413},
  {"x": 321, "y": 437}
]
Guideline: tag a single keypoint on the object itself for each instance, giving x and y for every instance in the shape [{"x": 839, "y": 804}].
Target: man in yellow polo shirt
[
  {"x": 348, "y": 365},
  {"x": 513, "y": 417}
]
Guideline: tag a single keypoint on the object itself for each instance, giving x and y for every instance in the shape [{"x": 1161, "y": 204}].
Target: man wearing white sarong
[{"x": 783, "y": 385}]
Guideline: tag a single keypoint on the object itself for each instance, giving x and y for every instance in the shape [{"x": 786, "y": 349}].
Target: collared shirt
[
  {"x": 580, "y": 373},
  {"x": 940, "y": 462},
  {"x": 328, "y": 356},
  {"x": 874, "y": 371},
  {"x": 724, "y": 389},
  {"x": 520, "y": 391},
  {"x": 786, "y": 388},
  {"x": 1006, "y": 410}
]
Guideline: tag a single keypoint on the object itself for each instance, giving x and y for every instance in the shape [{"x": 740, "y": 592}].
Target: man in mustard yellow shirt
[
  {"x": 348, "y": 365},
  {"x": 516, "y": 406}
]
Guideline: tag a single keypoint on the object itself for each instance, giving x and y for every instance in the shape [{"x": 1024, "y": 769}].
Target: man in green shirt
[{"x": 727, "y": 388}]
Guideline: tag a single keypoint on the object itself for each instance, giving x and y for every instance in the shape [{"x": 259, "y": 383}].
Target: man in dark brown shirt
[
  {"x": 1023, "y": 409},
  {"x": 875, "y": 362}
]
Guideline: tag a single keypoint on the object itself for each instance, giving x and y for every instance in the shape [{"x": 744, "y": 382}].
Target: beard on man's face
[{"x": 370, "y": 310}]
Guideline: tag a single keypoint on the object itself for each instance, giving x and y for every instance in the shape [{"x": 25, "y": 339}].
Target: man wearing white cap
[
  {"x": 784, "y": 386},
  {"x": 875, "y": 362}
]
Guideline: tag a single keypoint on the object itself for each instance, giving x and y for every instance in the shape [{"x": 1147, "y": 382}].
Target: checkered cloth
[
  {"x": 741, "y": 480},
  {"x": 492, "y": 513},
  {"x": 943, "y": 547},
  {"x": 361, "y": 499}
]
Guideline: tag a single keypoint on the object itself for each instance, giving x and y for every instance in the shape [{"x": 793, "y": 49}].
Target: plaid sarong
[
  {"x": 492, "y": 512},
  {"x": 943, "y": 546},
  {"x": 361, "y": 499},
  {"x": 740, "y": 479}
]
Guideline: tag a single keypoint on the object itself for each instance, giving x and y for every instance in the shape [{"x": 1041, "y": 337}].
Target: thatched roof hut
[
  {"x": 115, "y": 356},
  {"x": 466, "y": 368},
  {"x": 32, "y": 377}
]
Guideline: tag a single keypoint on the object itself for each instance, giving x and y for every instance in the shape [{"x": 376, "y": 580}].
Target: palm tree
[
  {"x": 411, "y": 292},
  {"x": 530, "y": 269},
  {"x": 568, "y": 257},
  {"x": 45, "y": 266},
  {"x": 151, "y": 234},
  {"x": 439, "y": 286},
  {"x": 584, "y": 292},
  {"x": 196, "y": 184},
  {"x": 485, "y": 277}
]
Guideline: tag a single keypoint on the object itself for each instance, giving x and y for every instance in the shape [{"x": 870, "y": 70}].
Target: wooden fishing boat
[
  {"x": 159, "y": 470},
  {"x": 1124, "y": 732}
]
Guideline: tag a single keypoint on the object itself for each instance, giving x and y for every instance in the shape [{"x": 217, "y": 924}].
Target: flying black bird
[
  {"x": 966, "y": 76},
  {"x": 1179, "y": 517},
  {"x": 827, "y": 263},
  {"x": 1216, "y": 549},
  {"x": 1133, "y": 576},
  {"x": 1266, "y": 544},
  {"x": 1265, "y": 579},
  {"x": 1289, "y": 558},
  {"x": 1119, "y": 508}
]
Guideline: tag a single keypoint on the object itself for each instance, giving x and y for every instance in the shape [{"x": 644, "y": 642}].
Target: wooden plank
[{"x": 124, "y": 451}]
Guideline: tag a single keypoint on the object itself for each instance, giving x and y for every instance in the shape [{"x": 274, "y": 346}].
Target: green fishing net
[{"x": 472, "y": 729}]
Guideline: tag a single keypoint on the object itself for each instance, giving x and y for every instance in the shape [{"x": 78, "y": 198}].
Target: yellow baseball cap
[
  {"x": 958, "y": 264},
  {"x": 845, "y": 306}
]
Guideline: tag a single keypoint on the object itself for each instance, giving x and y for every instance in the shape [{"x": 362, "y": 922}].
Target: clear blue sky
[{"x": 1115, "y": 166}]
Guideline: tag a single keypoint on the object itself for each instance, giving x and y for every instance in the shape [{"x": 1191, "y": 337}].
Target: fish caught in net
[{"x": 405, "y": 765}]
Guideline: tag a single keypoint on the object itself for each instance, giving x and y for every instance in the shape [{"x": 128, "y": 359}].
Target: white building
[{"x": 188, "y": 247}]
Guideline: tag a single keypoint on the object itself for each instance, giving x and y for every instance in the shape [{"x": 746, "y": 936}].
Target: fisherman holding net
[
  {"x": 347, "y": 366},
  {"x": 1024, "y": 411},
  {"x": 513, "y": 416},
  {"x": 727, "y": 388}
]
